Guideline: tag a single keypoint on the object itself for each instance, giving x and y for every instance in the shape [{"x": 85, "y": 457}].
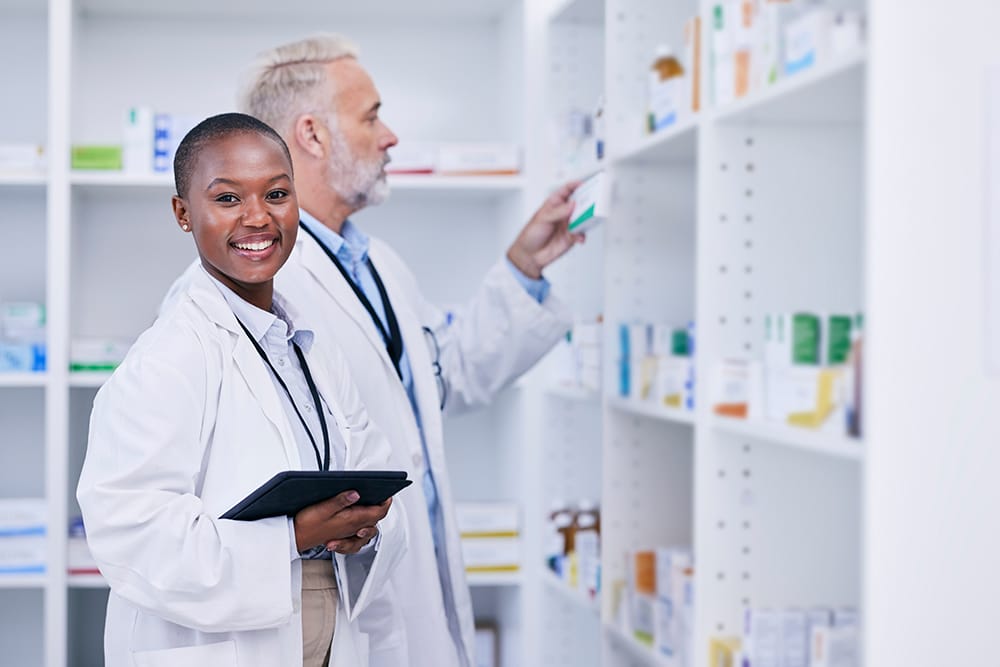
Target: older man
[{"x": 409, "y": 359}]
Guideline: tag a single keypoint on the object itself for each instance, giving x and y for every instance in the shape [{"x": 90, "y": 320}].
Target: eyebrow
[
  {"x": 376, "y": 106},
  {"x": 227, "y": 181}
]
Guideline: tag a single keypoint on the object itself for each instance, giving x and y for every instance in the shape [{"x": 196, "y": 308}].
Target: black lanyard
[
  {"x": 393, "y": 339},
  {"x": 324, "y": 463}
]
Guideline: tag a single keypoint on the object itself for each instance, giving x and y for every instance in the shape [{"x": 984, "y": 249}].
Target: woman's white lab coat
[
  {"x": 499, "y": 335},
  {"x": 187, "y": 426}
]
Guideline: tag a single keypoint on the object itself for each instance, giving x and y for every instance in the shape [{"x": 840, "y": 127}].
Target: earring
[{"x": 186, "y": 227}]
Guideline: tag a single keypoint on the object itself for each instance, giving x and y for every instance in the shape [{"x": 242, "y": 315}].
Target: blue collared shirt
[{"x": 351, "y": 248}]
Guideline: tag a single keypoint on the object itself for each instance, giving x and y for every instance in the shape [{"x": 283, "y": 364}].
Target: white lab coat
[
  {"x": 188, "y": 425},
  {"x": 501, "y": 333}
]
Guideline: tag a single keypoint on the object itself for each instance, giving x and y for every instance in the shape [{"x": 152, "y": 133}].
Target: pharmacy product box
[
  {"x": 692, "y": 61},
  {"x": 137, "y": 140},
  {"x": 491, "y": 554},
  {"x": 22, "y": 357},
  {"x": 762, "y": 637},
  {"x": 20, "y": 317},
  {"x": 79, "y": 559},
  {"x": 834, "y": 647},
  {"x": 644, "y": 617},
  {"x": 96, "y": 157},
  {"x": 21, "y": 157},
  {"x": 487, "y": 645},
  {"x": 591, "y": 201},
  {"x": 168, "y": 131},
  {"x": 413, "y": 157},
  {"x": 795, "y": 638},
  {"x": 22, "y": 535},
  {"x": 482, "y": 159},
  {"x": 487, "y": 519},
  {"x": 96, "y": 354}
]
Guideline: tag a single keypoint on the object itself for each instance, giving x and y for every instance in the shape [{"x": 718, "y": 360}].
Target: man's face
[{"x": 360, "y": 141}]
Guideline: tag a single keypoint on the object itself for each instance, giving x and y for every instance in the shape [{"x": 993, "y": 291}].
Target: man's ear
[
  {"x": 181, "y": 213},
  {"x": 311, "y": 136}
]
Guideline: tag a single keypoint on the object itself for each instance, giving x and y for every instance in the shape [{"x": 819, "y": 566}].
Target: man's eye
[
  {"x": 227, "y": 199},
  {"x": 277, "y": 194}
]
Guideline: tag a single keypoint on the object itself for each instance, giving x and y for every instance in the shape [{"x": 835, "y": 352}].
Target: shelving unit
[
  {"x": 13, "y": 380},
  {"x": 575, "y": 597},
  {"x": 800, "y": 196},
  {"x": 651, "y": 410},
  {"x": 87, "y": 254}
]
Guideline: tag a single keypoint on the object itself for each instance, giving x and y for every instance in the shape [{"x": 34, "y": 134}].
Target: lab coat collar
[{"x": 206, "y": 296}]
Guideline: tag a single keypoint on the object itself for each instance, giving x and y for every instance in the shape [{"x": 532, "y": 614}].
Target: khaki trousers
[{"x": 319, "y": 612}]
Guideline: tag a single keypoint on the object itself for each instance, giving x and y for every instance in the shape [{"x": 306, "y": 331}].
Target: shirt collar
[
  {"x": 350, "y": 246},
  {"x": 272, "y": 330}
]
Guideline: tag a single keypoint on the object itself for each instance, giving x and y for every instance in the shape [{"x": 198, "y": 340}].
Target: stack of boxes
[
  {"x": 754, "y": 43},
  {"x": 657, "y": 365},
  {"x": 22, "y": 536},
  {"x": 491, "y": 538},
  {"x": 809, "y": 376},
  {"x": 658, "y": 609},
  {"x": 818, "y": 637},
  {"x": 455, "y": 159}
]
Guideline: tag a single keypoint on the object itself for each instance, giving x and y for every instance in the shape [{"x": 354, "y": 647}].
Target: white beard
[{"x": 358, "y": 183}]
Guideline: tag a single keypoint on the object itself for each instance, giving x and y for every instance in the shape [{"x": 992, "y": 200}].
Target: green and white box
[{"x": 592, "y": 200}]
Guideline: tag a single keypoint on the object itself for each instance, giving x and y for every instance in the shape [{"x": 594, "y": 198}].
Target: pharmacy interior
[{"x": 745, "y": 452}]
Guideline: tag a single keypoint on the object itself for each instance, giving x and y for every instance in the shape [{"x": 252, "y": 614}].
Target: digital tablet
[{"x": 292, "y": 490}]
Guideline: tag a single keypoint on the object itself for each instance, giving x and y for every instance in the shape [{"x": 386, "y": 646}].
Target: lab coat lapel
[
  {"x": 417, "y": 349},
  {"x": 316, "y": 262},
  {"x": 246, "y": 359}
]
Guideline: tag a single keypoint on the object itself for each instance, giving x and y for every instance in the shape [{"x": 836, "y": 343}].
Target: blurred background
[{"x": 771, "y": 435}]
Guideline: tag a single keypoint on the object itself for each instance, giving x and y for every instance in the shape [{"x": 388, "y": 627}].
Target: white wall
[{"x": 933, "y": 455}]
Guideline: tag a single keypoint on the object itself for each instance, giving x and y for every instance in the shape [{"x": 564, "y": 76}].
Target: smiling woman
[
  {"x": 235, "y": 195},
  {"x": 219, "y": 395}
]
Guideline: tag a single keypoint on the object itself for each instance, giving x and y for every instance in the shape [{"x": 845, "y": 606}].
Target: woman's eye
[
  {"x": 227, "y": 199},
  {"x": 277, "y": 194}
]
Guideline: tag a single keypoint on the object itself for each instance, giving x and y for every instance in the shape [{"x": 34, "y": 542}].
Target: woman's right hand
[{"x": 338, "y": 523}]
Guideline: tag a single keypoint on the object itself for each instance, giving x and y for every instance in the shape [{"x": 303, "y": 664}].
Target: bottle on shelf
[
  {"x": 665, "y": 90},
  {"x": 559, "y": 537},
  {"x": 587, "y": 545}
]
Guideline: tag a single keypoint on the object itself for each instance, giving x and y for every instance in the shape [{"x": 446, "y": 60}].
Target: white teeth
[{"x": 259, "y": 245}]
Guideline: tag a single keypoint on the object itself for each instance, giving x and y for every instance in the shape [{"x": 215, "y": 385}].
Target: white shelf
[
  {"x": 23, "y": 379},
  {"x": 119, "y": 179},
  {"x": 826, "y": 93},
  {"x": 22, "y": 178},
  {"x": 675, "y": 144},
  {"x": 651, "y": 410},
  {"x": 635, "y": 648},
  {"x": 22, "y": 581},
  {"x": 572, "y": 392},
  {"x": 88, "y": 378},
  {"x": 481, "y": 579},
  {"x": 86, "y": 581},
  {"x": 578, "y": 598},
  {"x": 791, "y": 436},
  {"x": 470, "y": 185}
]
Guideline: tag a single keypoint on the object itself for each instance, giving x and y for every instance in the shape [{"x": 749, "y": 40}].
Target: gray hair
[{"x": 289, "y": 80}]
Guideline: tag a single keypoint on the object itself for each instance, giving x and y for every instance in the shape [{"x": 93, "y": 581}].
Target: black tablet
[{"x": 292, "y": 490}]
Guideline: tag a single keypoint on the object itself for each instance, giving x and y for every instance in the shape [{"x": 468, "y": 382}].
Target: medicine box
[
  {"x": 491, "y": 554},
  {"x": 591, "y": 201},
  {"x": 487, "y": 519},
  {"x": 478, "y": 159}
]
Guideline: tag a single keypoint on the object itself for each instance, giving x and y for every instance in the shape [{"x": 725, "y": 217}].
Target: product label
[{"x": 664, "y": 101}]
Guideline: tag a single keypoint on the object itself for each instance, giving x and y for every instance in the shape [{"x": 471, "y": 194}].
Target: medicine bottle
[{"x": 665, "y": 89}]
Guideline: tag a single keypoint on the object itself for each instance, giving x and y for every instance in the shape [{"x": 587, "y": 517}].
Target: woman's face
[{"x": 241, "y": 209}]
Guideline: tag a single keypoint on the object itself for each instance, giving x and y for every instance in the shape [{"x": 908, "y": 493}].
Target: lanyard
[
  {"x": 393, "y": 339},
  {"x": 324, "y": 463}
]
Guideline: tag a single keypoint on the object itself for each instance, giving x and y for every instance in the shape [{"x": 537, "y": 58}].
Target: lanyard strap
[
  {"x": 324, "y": 463},
  {"x": 392, "y": 338}
]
